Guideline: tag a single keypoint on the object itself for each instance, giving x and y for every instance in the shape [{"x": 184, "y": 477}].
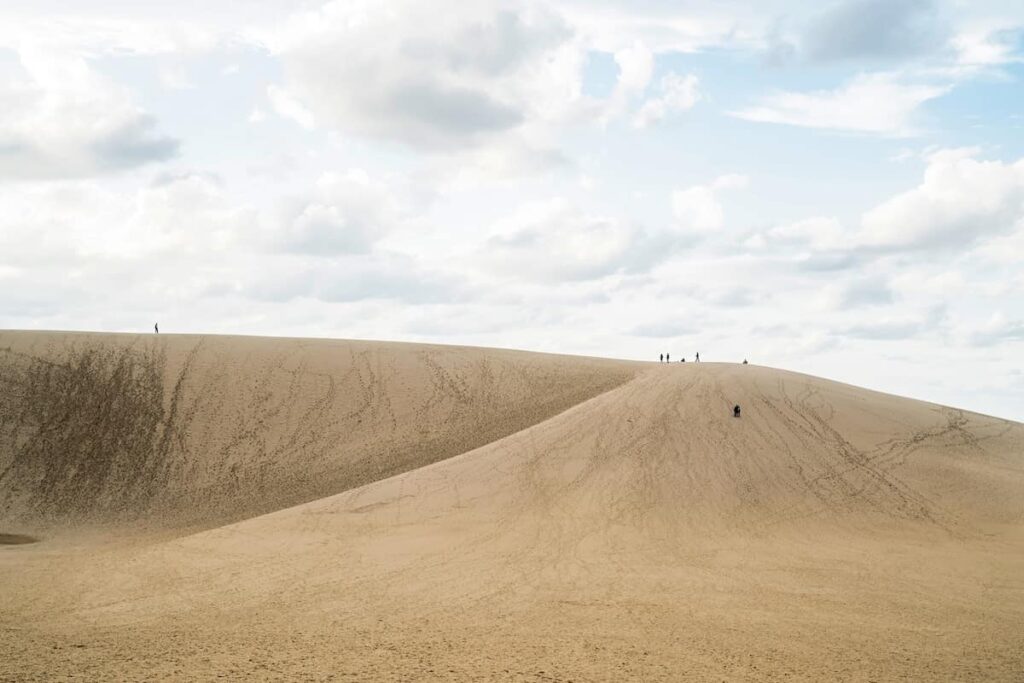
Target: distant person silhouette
[
  {"x": 668, "y": 358},
  {"x": 735, "y": 411},
  {"x": 698, "y": 357},
  {"x": 661, "y": 358},
  {"x": 156, "y": 327}
]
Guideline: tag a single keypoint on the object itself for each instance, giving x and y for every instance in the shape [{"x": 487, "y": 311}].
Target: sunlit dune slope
[
  {"x": 830, "y": 533},
  {"x": 178, "y": 430}
]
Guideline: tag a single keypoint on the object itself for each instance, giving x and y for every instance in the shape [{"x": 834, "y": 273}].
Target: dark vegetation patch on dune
[{"x": 87, "y": 432}]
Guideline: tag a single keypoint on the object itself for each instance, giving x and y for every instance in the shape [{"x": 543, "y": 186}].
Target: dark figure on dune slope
[
  {"x": 156, "y": 327},
  {"x": 668, "y": 358},
  {"x": 735, "y": 411},
  {"x": 661, "y": 358}
]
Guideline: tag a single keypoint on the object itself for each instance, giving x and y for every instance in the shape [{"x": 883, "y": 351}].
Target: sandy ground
[{"x": 602, "y": 521}]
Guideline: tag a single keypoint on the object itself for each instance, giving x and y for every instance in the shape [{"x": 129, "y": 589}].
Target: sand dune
[
  {"x": 176, "y": 431},
  {"x": 569, "y": 519}
]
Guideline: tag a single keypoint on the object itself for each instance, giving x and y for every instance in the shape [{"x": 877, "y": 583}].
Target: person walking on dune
[
  {"x": 668, "y": 358},
  {"x": 698, "y": 357},
  {"x": 156, "y": 328},
  {"x": 661, "y": 358}
]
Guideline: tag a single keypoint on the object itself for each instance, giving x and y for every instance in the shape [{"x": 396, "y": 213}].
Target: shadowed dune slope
[
  {"x": 830, "y": 533},
  {"x": 181, "y": 430}
]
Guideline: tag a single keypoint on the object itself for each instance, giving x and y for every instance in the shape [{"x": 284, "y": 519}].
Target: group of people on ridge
[{"x": 667, "y": 358}]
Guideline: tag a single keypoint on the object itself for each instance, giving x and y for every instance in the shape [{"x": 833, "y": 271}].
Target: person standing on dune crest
[
  {"x": 661, "y": 358},
  {"x": 156, "y": 328},
  {"x": 698, "y": 357}
]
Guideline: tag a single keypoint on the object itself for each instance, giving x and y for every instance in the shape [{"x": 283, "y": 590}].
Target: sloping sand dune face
[
  {"x": 831, "y": 533},
  {"x": 181, "y": 430}
]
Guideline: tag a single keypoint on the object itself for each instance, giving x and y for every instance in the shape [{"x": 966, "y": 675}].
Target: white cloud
[
  {"x": 286, "y": 106},
  {"x": 61, "y": 118},
  {"x": 636, "y": 64},
  {"x": 818, "y": 232},
  {"x": 870, "y": 103},
  {"x": 675, "y": 94},
  {"x": 555, "y": 241},
  {"x": 445, "y": 76},
  {"x": 697, "y": 210},
  {"x": 986, "y": 46},
  {"x": 182, "y": 238},
  {"x": 999, "y": 328},
  {"x": 960, "y": 201},
  {"x": 349, "y": 214}
]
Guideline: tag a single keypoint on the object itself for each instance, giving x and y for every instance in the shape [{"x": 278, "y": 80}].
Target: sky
[{"x": 832, "y": 188}]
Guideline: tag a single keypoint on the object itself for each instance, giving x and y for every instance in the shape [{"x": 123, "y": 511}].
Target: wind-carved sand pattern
[{"x": 323, "y": 510}]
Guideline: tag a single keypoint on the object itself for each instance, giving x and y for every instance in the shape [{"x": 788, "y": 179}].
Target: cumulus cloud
[
  {"x": 181, "y": 237},
  {"x": 675, "y": 94},
  {"x": 180, "y": 215},
  {"x": 636, "y": 65},
  {"x": 986, "y": 46},
  {"x": 697, "y": 210},
  {"x": 998, "y": 329},
  {"x": 287, "y": 107},
  {"x": 870, "y": 103},
  {"x": 61, "y": 118},
  {"x": 349, "y": 213},
  {"x": 432, "y": 76},
  {"x": 960, "y": 201},
  {"x": 556, "y": 241}
]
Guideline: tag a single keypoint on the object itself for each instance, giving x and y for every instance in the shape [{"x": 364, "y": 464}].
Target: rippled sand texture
[{"x": 456, "y": 513}]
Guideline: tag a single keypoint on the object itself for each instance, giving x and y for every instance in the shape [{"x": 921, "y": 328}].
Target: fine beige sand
[{"x": 195, "y": 508}]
